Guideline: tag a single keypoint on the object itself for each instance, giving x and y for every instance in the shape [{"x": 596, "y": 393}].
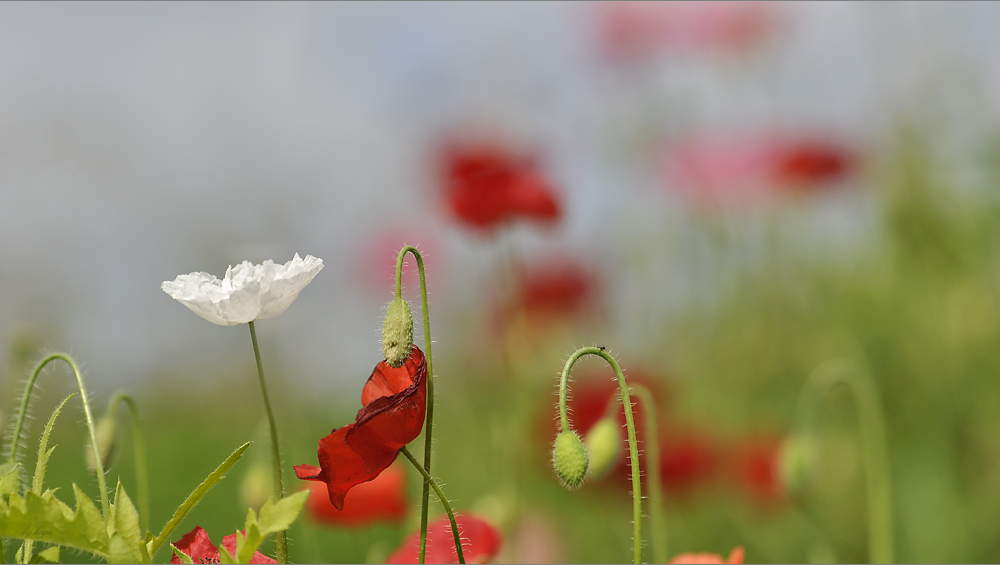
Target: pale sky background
[{"x": 139, "y": 141}]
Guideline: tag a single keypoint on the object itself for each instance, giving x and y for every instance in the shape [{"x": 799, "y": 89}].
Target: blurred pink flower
[
  {"x": 738, "y": 170},
  {"x": 633, "y": 31},
  {"x": 735, "y": 556}
]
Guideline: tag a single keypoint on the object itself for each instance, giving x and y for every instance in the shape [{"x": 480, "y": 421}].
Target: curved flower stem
[
  {"x": 429, "y": 424},
  {"x": 19, "y": 423},
  {"x": 652, "y": 456},
  {"x": 139, "y": 453},
  {"x": 444, "y": 502},
  {"x": 874, "y": 446},
  {"x": 281, "y": 540},
  {"x": 629, "y": 424}
]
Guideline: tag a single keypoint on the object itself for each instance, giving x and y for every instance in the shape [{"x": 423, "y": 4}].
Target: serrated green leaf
[
  {"x": 10, "y": 478},
  {"x": 126, "y": 545},
  {"x": 43, "y": 451},
  {"x": 225, "y": 556},
  {"x": 196, "y": 496},
  {"x": 181, "y": 556},
  {"x": 45, "y": 518},
  {"x": 273, "y": 518}
]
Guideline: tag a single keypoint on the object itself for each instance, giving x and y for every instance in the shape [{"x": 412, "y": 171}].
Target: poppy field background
[{"x": 726, "y": 196}]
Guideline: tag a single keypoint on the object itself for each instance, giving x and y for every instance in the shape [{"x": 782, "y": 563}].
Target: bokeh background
[{"x": 724, "y": 195}]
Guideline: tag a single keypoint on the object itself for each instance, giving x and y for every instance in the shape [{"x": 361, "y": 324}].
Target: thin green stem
[
  {"x": 630, "y": 426},
  {"x": 281, "y": 540},
  {"x": 444, "y": 501},
  {"x": 652, "y": 454},
  {"x": 139, "y": 453},
  {"x": 429, "y": 424},
  {"x": 874, "y": 445},
  {"x": 22, "y": 411}
]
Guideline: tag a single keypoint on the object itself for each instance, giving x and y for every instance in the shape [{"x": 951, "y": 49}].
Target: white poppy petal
[{"x": 248, "y": 292}]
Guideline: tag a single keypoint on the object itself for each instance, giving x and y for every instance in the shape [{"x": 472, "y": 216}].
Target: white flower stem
[{"x": 281, "y": 540}]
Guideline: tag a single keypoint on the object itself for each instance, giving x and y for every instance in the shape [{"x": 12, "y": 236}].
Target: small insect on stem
[{"x": 601, "y": 347}]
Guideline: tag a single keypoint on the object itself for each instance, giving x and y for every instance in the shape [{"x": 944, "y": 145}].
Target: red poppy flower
[
  {"x": 758, "y": 471},
  {"x": 556, "y": 289},
  {"x": 485, "y": 186},
  {"x": 735, "y": 556},
  {"x": 394, "y": 403},
  {"x": 687, "y": 460},
  {"x": 381, "y": 499},
  {"x": 201, "y": 549},
  {"x": 480, "y": 542},
  {"x": 737, "y": 170},
  {"x": 631, "y": 32}
]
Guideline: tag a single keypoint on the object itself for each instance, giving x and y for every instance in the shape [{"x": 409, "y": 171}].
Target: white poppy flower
[{"x": 248, "y": 292}]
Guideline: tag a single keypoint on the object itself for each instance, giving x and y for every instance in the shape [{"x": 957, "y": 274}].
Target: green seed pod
[
  {"x": 397, "y": 333},
  {"x": 106, "y": 432},
  {"x": 604, "y": 443},
  {"x": 570, "y": 459},
  {"x": 797, "y": 460}
]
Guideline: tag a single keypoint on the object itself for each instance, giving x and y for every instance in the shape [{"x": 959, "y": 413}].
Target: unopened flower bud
[
  {"x": 796, "y": 459},
  {"x": 106, "y": 432},
  {"x": 604, "y": 444},
  {"x": 570, "y": 459},
  {"x": 397, "y": 333}
]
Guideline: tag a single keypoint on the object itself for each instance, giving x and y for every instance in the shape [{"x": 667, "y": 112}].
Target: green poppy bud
[
  {"x": 796, "y": 460},
  {"x": 604, "y": 444},
  {"x": 106, "y": 432},
  {"x": 570, "y": 459},
  {"x": 397, "y": 333}
]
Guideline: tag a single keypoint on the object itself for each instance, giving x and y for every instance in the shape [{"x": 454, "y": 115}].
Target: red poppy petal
[
  {"x": 480, "y": 542},
  {"x": 229, "y": 542},
  {"x": 342, "y": 468},
  {"x": 197, "y": 545},
  {"x": 382, "y": 499},
  {"x": 387, "y": 381},
  {"x": 308, "y": 472}
]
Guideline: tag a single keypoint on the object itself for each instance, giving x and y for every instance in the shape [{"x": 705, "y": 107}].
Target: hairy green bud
[
  {"x": 106, "y": 432},
  {"x": 604, "y": 444},
  {"x": 570, "y": 459},
  {"x": 397, "y": 332}
]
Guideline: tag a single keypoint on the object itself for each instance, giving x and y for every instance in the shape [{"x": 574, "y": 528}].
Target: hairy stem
[
  {"x": 444, "y": 502},
  {"x": 630, "y": 426},
  {"x": 281, "y": 540},
  {"x": 22, "y": 410},
  {"x": 429, "y": 423},
  {"x": 652, "y": 455}
]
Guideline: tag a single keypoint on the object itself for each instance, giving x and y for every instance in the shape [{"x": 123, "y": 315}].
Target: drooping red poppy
[
  {"x": 740, "y": 169},
  {"x": 486, "y": 185},
  {"x": 200, "y": 548},
  {"x": 480, "y": 542},
  {"x": 737, "y": 555},
  {"x": 394, "y": 402},
  {"x": 383, "y": 499}
]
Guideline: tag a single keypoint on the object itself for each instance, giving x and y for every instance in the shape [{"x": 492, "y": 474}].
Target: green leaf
[
  {"x": 195, "y": 497},
  {"x": 45, "y": 518},
  {"x": 274, "y": 517},
  {"x": 10, "y": 478},
  {"x": 181, "y": 556},
  {"x": 50, "y": 555},
  {"x": 126, "y": 544},
  {"x": 43, "y": 451},
  {"x": 225, "y": 556}
]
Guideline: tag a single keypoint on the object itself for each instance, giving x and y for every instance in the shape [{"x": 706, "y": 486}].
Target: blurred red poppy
[
  {"x": 486, "y": 186},
  {"x": 630, "y": 32},
  {"x": 758, "y": 471},
  {"x": 687, "y": 459},
  {"x": 201, "y": 549},
  {"x": 394, "y": 402},
  {"x": 383, "y": 499},
  {"x": 480, "y": 542},
  {"x": 557, "y": 289},
  {"x": 734, "y": 170},
  {"x": 735, "y": 556},
  {"x": 375, "y": 258}
]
